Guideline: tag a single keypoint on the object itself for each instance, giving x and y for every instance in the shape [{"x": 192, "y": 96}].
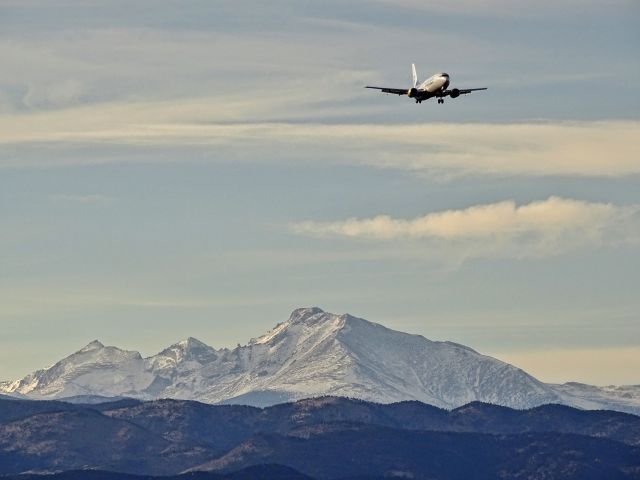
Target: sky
[{"x": 201, "y": 168}]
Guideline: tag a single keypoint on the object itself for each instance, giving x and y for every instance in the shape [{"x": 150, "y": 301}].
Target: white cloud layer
[
  {"x": 607, "y": 148},
  {"x": 502, "y": 229}
]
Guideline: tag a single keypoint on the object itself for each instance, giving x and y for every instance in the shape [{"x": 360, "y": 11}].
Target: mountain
[
  {"x": 332, "y": 452},
  {"x": 313, "y": 353},
  {"x": 257, "y": 472},
  {"x": 93, "y": 370},
  {"x": 222, "y": 426},
  {"x": 624, "y": 398},
  {"x": 75, "y": 438},
  {"x": 324, "y": 438}
]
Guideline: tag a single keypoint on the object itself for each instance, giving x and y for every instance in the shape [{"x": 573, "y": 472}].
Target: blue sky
[{"x": 202, "y": 168}]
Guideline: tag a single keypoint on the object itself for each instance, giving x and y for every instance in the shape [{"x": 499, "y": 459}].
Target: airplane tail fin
[{"x": 414, "y": 75}]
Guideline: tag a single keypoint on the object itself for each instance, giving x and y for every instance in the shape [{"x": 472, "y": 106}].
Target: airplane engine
[
  {"x": 412, "y": 92},
  {"x": 455, "y": 93}
]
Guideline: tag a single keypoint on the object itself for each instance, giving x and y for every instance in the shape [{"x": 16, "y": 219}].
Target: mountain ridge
[
  {"x": 313, "y": 353},
  {"x": 318, "y": 437}
]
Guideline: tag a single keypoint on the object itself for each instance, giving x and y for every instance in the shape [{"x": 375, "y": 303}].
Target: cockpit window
[{"x": 444, "y": 75}]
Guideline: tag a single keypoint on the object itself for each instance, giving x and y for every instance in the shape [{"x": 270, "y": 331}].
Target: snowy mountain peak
[
  {"x": 93, "y": 370},
  {"x": 189, "y": 344},
  {"x": 305, "y": 315},
  {"x": 95, "y": 345},
  {"x": 189, "y": 349},
  {"x": 314, "y": 353},
  {"x": 316, "y": 319},
  {"x": 303, "y": 324},
  {"x": 192, "y": 341},
  {"x": 97, "y": 352}
]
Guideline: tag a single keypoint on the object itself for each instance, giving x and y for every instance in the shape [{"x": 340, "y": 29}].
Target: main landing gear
[{"x": 441, "y": 100}]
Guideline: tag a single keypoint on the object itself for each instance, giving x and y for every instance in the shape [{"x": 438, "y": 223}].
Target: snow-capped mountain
[
  {"x": 313, "y": 353},
  {"x": 93, "y": 370},
  {"x": 624, "y": 398}
]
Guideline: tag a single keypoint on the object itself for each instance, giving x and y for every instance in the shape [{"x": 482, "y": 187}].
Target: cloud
[
  {"x": 553, "y": 148},
  {"x": 504, "y": 229},
  {"x": 604, "y": 148}
]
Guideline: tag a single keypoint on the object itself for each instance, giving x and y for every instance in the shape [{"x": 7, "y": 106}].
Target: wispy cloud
[
  {"x": 559, "y": 148},
  {"x": 564, "y": 148},
  {"x": 503, "y": 229}
]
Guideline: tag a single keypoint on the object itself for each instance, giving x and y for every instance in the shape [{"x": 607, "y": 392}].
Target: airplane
[{"x": 434, "y": 86}]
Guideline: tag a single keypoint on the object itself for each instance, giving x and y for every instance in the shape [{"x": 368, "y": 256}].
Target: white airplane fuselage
[
  {"x": 435, "y": 83},
  {"x": 434, "y": 86}
]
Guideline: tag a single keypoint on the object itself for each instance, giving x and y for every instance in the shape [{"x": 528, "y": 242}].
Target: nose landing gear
[{"x": 441, "y": 100}]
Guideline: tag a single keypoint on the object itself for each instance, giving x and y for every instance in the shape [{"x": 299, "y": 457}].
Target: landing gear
[
  {"x": 418, "y": 101},
  {"x": 441, "y": 100}
]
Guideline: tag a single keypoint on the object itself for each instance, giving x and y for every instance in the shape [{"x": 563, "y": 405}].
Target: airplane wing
[
  {"x": 395, "y": 91},
  {"x": 462, "y": 91},
  {"x": 469, "y": 90}
]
